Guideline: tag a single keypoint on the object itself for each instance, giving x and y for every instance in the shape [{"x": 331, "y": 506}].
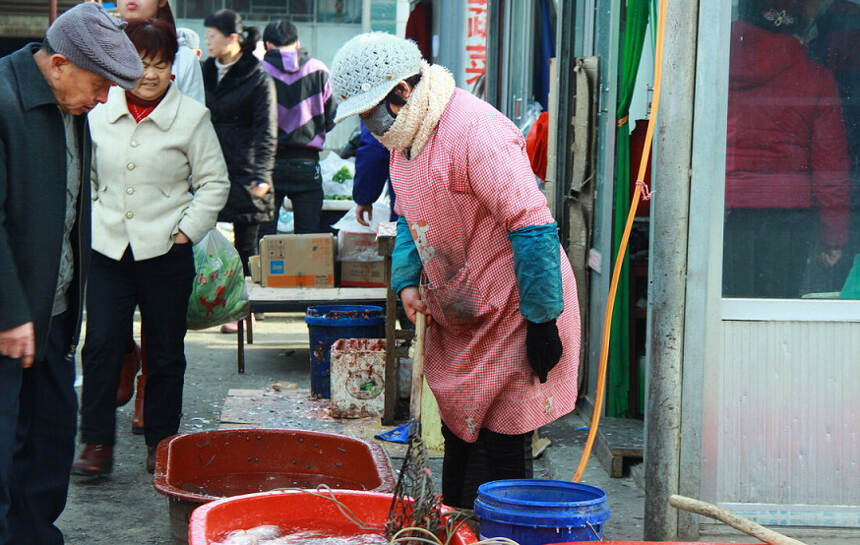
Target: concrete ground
[{"x": 125, "y": 508}]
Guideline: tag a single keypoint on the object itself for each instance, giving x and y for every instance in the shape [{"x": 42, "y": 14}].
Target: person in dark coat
[
  {"x": 241, "y": 96},
  {"x": 45, "y": 92}
]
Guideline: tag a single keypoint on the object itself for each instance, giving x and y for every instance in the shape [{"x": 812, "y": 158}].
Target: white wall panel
[{"x": 785, "y": 426}]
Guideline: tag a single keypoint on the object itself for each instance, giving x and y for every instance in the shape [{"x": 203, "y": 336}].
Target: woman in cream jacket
[{"x": 159, "y": 181}]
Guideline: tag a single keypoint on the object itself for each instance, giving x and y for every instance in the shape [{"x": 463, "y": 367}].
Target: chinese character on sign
[
  {"x": 475, "y": 58},
  {"x": 477, "y": 62},
  {"x": 477, "y": 27}
]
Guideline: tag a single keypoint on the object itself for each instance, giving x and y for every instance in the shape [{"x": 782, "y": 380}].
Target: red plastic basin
[
  {"x": 197, "y": 468},
  {"x": 294, "y": 509}
]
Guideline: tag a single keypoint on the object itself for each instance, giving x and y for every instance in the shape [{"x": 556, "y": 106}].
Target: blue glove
[
  {"x": 537, "y": 264},
  {"x": 405, "y": 262}
]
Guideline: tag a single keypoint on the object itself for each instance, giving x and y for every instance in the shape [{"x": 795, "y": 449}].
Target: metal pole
[
  {"x": 668, "y": 271},
  {"x": 564, "y": 68},
  {"x": 52, "y": 11},
  {"x": 365, "y": 15},
  {"x": 452, "y": 36}
]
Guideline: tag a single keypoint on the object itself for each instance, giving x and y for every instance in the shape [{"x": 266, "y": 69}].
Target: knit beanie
[
  {"x": 368, "y": 67},
  {"x": 94, "y": 40}
]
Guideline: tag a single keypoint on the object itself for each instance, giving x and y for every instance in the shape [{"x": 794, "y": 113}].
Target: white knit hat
[{"x": 368, "y": 67}]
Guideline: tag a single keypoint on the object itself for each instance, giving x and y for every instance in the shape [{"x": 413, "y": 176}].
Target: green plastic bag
[{"x": 218, "y": 295}]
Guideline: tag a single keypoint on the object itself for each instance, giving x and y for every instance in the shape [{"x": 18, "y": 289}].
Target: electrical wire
[
  {"x": 404, "y": 535},
  {"x": 641, "y": 191},
  {"x": 453, "y": 520},
  {"x": 434, "y": 540},
  {"x": 320, "y": 492}
]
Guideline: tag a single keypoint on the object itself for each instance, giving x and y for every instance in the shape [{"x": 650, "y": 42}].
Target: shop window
[
  {"x": 309, "y": 11},
  {"x": 792, "y": 201}
]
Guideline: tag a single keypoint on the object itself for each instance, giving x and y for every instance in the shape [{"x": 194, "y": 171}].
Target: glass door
[
  {"x": 792, "y": 195},
  {"x": 775, "y": 232}
]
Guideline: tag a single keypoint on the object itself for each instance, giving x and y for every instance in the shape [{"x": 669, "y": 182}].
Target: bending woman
[
  {"x": 147, "y": 145},
  {"x": 188, "y": 78}
]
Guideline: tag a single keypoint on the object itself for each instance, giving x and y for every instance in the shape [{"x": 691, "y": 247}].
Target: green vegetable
[{"x": 342, "y": 175}]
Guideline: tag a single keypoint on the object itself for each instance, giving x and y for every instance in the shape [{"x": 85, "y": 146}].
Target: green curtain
[{"x": 634, "y": 25}]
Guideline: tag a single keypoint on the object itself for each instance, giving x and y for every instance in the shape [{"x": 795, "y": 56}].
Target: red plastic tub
[
  {"x": 198, "y": 468},
  {"x": 296, "y": 510}
]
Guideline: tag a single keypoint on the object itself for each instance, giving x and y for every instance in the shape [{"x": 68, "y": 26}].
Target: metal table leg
[
  {"x": 249, "y": 324},
  {"x": 240, "y": 336}
]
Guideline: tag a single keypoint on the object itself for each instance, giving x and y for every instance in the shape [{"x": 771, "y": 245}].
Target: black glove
[{"x": 543, "y": 347}]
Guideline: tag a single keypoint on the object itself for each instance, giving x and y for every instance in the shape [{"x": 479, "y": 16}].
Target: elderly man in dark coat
[{"x": 45, "y": 92}]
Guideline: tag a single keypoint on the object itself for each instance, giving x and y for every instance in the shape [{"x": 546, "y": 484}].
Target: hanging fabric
[
  {"x": 419, "y": 28},
  {"x": 634, "y": 25},
  {"x": 544, "y": 51},
  {"x": 536, "y": 145}
]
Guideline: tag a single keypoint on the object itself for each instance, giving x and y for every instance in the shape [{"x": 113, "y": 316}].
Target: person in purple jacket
[{"x": 305, "y": 115}]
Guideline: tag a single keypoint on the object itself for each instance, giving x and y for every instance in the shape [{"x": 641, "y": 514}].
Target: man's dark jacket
[
  {"x": 33, "y": 199},
  {"x": 245, "y": 117}
]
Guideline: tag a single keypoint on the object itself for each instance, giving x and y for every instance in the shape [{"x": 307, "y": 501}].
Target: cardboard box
[
  {"x": 365, "y": 274},
  {"x": 254, "y": 265},
  {"x": 291, "y": 261},
  {"x": 357, "y": 246}
]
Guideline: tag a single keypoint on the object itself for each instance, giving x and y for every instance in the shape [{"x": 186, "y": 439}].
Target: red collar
[{"x": 140, "y": 108}]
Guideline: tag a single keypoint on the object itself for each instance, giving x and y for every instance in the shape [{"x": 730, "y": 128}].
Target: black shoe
[{"x": 150, "y": 459}]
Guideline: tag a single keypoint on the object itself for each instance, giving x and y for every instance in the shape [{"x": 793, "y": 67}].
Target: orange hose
[{"x": 622, "y": 249}]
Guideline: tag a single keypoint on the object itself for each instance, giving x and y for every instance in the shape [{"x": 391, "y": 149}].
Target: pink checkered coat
[{"x": 470, "y": 186}]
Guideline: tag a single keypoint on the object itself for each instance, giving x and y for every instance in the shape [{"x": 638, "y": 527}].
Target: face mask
[{"x": 380, "y": 119}]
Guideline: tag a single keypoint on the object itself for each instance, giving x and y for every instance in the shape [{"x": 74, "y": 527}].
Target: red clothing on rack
[
  {"x": 536, "y": 145},
  {"x": 419, "y": 28}
]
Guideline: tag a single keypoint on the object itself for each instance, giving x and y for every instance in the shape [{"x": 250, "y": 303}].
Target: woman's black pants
[
  {"x": 492, "y": 457},
  {"x": 245, "y": 241},
  {"x": 161, "y": 287}
]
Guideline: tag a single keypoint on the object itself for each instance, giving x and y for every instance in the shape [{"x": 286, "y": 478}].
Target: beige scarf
[{"x": 417, "y": 120}]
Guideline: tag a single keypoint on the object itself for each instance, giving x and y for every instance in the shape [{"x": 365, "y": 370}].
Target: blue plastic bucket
[
  {"x": 539, "y": 511},
  {"x": 328, "y": 323}
]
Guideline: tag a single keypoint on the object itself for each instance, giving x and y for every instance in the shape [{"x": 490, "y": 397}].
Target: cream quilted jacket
[{"x": 154, "y": 178}]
